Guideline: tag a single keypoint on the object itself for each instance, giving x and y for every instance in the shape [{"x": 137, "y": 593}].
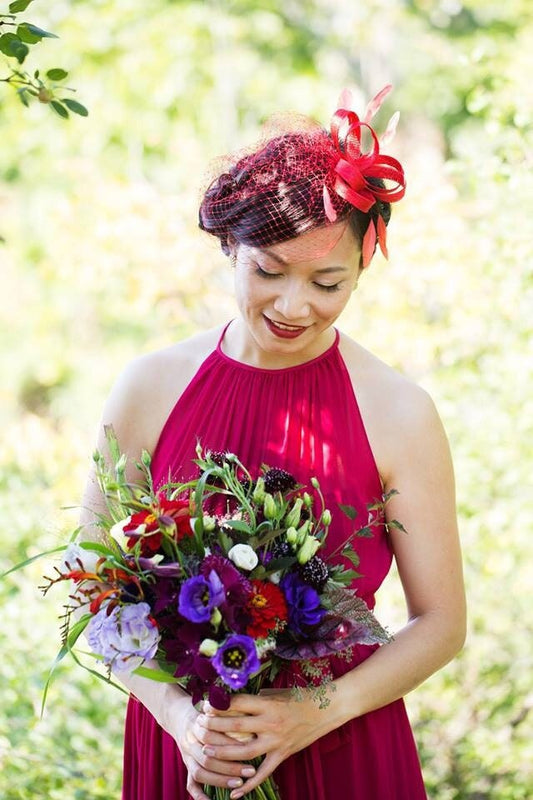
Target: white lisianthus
[
  {"x": 243, "y": 556},
  {"x": 117, "y": 530},
  {"x": 74, "y": 554},
  {"x": 275, "y": 577}
]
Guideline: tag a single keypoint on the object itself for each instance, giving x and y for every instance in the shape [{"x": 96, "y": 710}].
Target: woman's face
[{"x": 287, "y": 296}]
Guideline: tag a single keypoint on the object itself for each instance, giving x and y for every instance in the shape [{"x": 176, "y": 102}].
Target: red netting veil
[{"x": 301, "y": 177}]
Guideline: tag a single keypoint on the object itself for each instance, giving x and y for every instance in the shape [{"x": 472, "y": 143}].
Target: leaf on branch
[
  {"x": 12, "y": 46},
  {"x": 59, "y": 109},
  {"x": 56, "y": 74},
  {"x": 19, "y": 5},
  {"x": 350, "y": 511}
]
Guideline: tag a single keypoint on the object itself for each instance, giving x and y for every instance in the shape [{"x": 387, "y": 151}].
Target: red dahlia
[{"x": 268, "y": 609}]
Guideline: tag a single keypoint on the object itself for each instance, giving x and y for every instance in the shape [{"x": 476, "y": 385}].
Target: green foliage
[
  {"x": 16, "y": 46},
  {"x": 103, "y": 261}
]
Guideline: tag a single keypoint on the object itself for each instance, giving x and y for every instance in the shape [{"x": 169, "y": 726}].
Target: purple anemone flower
[
  {"x": 199, "y": 596},
  {"x": 303, "y": 604},
  {"x": 236, "y": 660}
]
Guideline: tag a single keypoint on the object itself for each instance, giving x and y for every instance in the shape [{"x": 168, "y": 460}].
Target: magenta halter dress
[{"x": 304, "y": 419}]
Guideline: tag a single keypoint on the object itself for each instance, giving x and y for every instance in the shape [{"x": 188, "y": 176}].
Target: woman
[{"x": 300, "y": 218}]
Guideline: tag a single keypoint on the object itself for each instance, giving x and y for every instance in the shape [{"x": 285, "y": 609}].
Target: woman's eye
[
  {"x": 334, "y": 287},
  {"x": 264, "y": 274}
]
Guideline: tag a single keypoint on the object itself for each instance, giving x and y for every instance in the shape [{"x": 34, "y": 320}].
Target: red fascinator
[
  {"x": 300, "y": 178},
  {"x": 356, "y": 173}
]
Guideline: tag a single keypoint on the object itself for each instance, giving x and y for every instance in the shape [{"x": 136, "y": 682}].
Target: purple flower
[
  {"x": 237, "y": 591},
  {"x": 199, "y": 596},
  {"x": 236, "y": 660},
  {"x": 125, "y": 637},
  {"x": 303, "y": 603}
]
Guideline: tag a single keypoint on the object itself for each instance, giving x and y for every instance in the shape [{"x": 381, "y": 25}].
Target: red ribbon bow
[{"x": 351, "y": 173}]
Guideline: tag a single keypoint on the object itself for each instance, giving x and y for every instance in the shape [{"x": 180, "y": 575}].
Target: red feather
[
  {"x": 382, "y": 236},
  {"x": 369, "y": 243}
]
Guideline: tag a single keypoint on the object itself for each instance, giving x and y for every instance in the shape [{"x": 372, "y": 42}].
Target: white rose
[
  {"x": 74, "y": 554},
  {"x": 243, "y": 556}
]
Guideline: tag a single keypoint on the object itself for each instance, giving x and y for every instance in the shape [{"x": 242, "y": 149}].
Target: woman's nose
[{"x": 292, "y": 303}]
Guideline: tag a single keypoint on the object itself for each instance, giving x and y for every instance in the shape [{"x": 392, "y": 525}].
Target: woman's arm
[
  {"x": 131, "y": 410},
  {"x": 429, "y": 563}
]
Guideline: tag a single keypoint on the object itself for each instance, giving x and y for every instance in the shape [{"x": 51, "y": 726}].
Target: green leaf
[
  {"x": 25, "y": 563},
  {"x": 238, "y": 525},
  {"x": 6, "y": 43},
  {"x": 351, "y": 555},
  {"x": 57, "y": 74},
  {"x": 22, "y": 96},
  {"x": 19, "y": 5},
  {"x": 365, "y": 533},
  {"x": 59, "y": 109},
  {"x": 155, "y": 675},
  {"x": 395, "y": 524},
  {"x": 74, "y": 106},
  {"x": 350, "y": 511},
  {"x": 40, "y": 32}
]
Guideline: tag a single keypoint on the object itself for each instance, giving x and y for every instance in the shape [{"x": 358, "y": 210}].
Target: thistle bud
[
  {"x": 326, "y": 517},
  {"x": 259, "y": 492},
  {"x": 293, "y": 517},
  {"x": 208, "y": 647},
  {"x": 308, "y": 550},
  {"x": 270, "y": 508}
]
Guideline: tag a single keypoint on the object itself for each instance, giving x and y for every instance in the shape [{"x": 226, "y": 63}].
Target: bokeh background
[{"x": 102, "y": 260}]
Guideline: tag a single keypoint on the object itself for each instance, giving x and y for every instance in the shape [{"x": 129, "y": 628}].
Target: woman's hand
[
  {"x": 280, "y": 725},
  {"x": 201, "y": 767}
]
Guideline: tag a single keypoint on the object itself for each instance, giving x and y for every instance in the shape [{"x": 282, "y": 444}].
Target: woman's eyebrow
[{"x": 283, "y": 262}]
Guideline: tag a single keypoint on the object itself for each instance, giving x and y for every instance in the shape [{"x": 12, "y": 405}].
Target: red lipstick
[{"x": 284, "y": 333}]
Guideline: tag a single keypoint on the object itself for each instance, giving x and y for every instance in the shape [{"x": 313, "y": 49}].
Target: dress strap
[{"x": 224, "y": 329}]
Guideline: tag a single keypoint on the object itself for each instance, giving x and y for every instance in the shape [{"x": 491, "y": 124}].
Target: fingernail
[
  {"x": 234, "y": 782},
  {"x": 236, "y": 795},
  {"x": 248, "y": 772},
  {"x": 208, "y": 751}
]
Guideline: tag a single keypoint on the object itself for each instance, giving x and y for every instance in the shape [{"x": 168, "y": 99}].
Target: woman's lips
[{"x": 284, "y": 332}]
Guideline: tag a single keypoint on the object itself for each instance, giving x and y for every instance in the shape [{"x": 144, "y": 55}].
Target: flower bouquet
[{"x": 219, "y": 580}]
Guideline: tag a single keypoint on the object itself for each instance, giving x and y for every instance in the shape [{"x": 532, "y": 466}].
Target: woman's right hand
[{"x": 194, "y": 741}]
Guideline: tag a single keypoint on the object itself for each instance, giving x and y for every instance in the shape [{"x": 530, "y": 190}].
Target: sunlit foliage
[{"x": 102, "y": 260}]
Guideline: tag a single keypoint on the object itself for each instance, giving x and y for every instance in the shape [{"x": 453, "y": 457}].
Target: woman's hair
[{"x": 277, "y": 193}]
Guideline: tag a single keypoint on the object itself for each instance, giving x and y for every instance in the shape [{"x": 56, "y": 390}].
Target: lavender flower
[
  {"x": 303, "y": 604},
  {"x": 236, "y": 660},
  {"x": 124, "y": 638},
  {"x": 199, "y": 596}
]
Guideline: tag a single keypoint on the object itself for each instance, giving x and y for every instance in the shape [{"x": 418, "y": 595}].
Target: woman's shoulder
[
  {"x": 397, "y": 412},
  {"x": 148, "y": 387}
]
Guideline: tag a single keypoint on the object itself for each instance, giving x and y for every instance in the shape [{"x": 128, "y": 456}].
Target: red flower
[
  {"x": 267, "y": 608},
  {"x": 172, "y": 516}
]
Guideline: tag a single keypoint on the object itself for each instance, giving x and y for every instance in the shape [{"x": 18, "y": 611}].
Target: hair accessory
[{"x": 356, "y": 173}]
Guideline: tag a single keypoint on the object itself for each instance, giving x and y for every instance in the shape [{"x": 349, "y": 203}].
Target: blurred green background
[{"x": 102, "y": 260}]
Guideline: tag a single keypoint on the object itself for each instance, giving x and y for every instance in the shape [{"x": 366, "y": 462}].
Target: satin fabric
[{"x": 304, "y": 419}]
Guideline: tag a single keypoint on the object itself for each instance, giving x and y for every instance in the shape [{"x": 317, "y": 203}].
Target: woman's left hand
[{"x": 278, "y": 723}]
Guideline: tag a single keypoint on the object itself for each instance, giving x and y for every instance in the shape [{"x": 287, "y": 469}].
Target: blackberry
[
  {"x": 218, "y": 457},
  {"x": 315, "y": 573},
  {"x": 278, "y": 480},
  {"x": 281, "y": 550}
]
